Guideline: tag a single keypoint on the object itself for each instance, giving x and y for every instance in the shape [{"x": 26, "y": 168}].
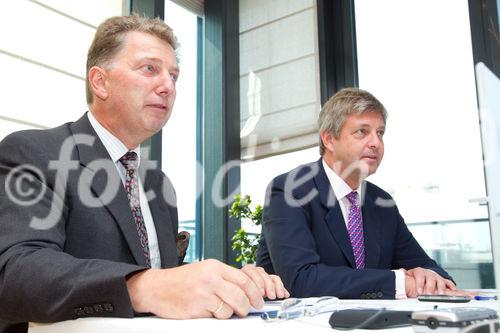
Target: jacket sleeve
[{"x": 38, "y": 280}]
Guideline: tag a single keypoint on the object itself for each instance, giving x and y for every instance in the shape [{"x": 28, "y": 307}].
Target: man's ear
[
  {"x": 97, "y": 81},
  {"x": 327, "y": 138}
]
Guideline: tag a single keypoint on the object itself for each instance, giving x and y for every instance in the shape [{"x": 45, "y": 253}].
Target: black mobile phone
[{"x": 444, "y": 298}]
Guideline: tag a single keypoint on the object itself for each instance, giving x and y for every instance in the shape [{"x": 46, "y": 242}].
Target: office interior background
[{"x": 254, "y": 74}]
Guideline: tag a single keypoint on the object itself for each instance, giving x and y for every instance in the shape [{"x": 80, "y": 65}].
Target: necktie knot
[
  {"x": 129, "y": 160},
  {"x": 353, "y": 198}
]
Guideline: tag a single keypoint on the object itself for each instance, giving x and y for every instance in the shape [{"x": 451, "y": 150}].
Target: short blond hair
[
  {"x": 109, "y": 36},
  {"x": 345, "y": 102}
]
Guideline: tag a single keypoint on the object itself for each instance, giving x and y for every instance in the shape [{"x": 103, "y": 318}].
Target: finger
[
  {"x": 419, "y": 277},
  {"x": 440, "y": 285},
  {"x": 468, "y": 293},
  {"x": 450, "y": 292},
  {"x": 410, "y": 289},
  {"x": 260, "y": 278},
  {"x": 450, "y": 284},
  {"x": 243, "y": 281},
  {"x": 458, "y": 292},
  {"x": 430, "y": 282},
  {"x": 211, "y": 304},
  {"x": 281, "y": 291},
  {"x": 234, "y": 298},
  {"x": 223, "y": 311},
  {"x": 270, "y": 289}
]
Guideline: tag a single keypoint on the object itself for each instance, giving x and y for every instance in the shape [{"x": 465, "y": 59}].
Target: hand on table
[
  {"x": 208, "y": 288},
  {"x": 270, "y": 285},
  {"x": 421, "y": 281}
]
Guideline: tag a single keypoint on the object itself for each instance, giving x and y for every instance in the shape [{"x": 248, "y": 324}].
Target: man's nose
[
  {"x": 375, "y": 140},
  {"x": 166, "y": 85}
]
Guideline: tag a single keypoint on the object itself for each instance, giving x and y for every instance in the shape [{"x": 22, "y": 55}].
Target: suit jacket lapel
[
  {"x": 336, "y": 224},
  {"x": 372, "y": 231},
  {"x": 163, "y": 222},
  {"x": 100, "y": 180},
  {"x": 334, "y": 219}
]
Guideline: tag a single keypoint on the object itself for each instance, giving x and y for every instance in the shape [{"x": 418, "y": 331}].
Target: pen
[{"x": 484, "y": 298}]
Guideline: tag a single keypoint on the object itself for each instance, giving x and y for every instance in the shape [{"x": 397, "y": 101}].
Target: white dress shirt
[
  {"x": 116, "y": 150},
  {"x": 341, "y": 190}
]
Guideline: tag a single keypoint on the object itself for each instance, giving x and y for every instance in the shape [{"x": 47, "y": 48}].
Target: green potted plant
[{"x": 245, "y": 244}]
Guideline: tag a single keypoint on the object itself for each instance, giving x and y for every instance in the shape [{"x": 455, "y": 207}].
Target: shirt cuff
[{"x": 400, "y": 284}]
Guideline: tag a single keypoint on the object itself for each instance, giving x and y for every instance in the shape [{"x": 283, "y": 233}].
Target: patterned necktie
[
  {"x": 355, "y": 228},
  {"x": 129, "y": 161}
]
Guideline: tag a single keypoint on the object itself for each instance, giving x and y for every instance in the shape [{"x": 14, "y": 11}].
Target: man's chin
[
  {"x": 370, "y": 166},
  {"x": 155, "y": 124}
]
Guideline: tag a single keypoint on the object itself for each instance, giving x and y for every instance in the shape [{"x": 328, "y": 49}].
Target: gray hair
[{"x": 344, "y": 103}]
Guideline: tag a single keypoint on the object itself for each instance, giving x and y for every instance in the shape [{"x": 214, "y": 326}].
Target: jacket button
[
  {"x": 79, "y": 312},
  {"x": 380, "y": 294},
  {"x": 108, "y": 307},
  {"x": 88, "y": 310},
  {"x": 98, "y": 308},
  {"x": 373, "y": 295}
]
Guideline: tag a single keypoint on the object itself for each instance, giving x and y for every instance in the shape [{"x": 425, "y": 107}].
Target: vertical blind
[
  {"x": 194, "y": 6},
  {"x": 279, "y": 77}
]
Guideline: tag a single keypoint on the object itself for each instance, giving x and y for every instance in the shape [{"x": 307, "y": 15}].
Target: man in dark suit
[
  {"x": 87, "y": 228},
  {"x": 326, "y": 231}
]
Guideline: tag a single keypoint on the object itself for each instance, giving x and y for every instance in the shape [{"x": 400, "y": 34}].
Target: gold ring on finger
[{"x": 219, "y": 308}]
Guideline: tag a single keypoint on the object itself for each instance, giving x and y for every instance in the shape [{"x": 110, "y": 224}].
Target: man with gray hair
[
  {"x": 327, "y": 231},
  {"x": 87, "y": 227}
]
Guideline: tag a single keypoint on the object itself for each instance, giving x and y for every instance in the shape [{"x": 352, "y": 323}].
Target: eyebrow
[
  {"x": 160, "y": 61},
  {"x": 368, "y": 125}
]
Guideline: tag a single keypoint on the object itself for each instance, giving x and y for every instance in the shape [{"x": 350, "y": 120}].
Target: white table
[{"x": 249, "y": 324}]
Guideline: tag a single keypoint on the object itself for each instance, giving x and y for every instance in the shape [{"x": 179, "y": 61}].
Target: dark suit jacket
[
  {"x": 77, "y": 267},
  {"x": 305, "y": 241}
]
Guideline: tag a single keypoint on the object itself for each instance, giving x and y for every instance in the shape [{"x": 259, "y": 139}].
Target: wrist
[{"x": 138, "y": 286}]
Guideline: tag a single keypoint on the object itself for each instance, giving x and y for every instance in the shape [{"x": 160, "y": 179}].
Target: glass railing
[{"x": 462, "y": 248}]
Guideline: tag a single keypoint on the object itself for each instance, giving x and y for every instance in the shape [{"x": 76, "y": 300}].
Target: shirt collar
[
  {"x": 340, "y": 187},
  {"x": 116, "y": 149}
]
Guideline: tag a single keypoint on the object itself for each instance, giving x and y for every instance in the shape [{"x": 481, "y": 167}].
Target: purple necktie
[
  {"x": 129, "y": 161},
  {"x": 355, "y": 229}
]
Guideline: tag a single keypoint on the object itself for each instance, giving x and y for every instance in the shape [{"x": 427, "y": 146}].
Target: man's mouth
[{"x": 158, "y": 106}]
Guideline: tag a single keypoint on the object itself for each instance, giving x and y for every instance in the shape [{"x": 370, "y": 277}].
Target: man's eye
[
  {"x": 381, "y": 133},
  {"x": 360, "y": 131},
  {"x": 149, "y": 68},
  {"x": 175, "y": 77}
]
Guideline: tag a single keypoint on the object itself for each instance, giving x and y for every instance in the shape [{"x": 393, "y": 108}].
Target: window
[
  {"x": 43, "y": 60},
  {"x": 279, "y": 77},
  {"x": 179, "y": 160},
  {"x": 423, "y": 73},
  {"x": 279, "y": 90}
]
